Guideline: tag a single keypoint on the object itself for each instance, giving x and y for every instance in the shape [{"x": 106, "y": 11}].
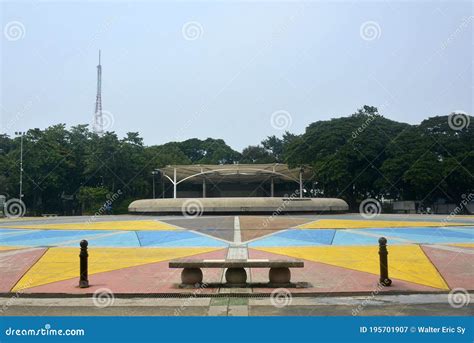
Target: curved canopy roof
[{"x": 235, "y": 172}]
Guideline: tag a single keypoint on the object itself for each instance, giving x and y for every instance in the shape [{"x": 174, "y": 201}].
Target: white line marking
[
  {"x": 237, "y": 234},
  {"x": 377, "y": 235},
  {"x": 451, "y": 248},
  {"x": 3, "y": 234}
]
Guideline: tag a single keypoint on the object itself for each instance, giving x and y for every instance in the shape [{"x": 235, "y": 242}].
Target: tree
[
  {"x": 346, "y": 153},
  {"x": 256, "y": 154},
  {"x": 355, "y": 157},
  {"x": 209, "y": 151},
  {"x": 431, "y": 161},
  {"x": 92, "y": 199}
]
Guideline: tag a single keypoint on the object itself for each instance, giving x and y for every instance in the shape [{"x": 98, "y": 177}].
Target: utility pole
[{"x": 21, "y": 134}]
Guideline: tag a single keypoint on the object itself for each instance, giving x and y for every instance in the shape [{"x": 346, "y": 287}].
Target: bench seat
[
  {"x": 236, "y": 264},
  {"x": 235, "y": 274}
]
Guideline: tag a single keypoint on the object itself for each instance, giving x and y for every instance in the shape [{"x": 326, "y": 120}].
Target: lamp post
[{"x": 21, "y": 134}]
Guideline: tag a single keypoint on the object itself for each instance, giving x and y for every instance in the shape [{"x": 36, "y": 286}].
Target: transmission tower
[{"x": 98, "y": 119}]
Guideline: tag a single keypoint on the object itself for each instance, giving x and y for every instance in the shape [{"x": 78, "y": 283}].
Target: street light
[
  {"x": 21, "y": 134},
  {"x": 154, "y": 172}
]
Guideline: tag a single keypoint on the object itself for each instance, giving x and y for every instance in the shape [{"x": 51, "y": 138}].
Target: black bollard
[
  {"x": 383, "y": 254},
  {"x": 83, "y": 255}
]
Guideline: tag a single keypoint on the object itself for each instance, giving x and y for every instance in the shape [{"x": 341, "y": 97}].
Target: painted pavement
[{"x": 130, "y": 254}]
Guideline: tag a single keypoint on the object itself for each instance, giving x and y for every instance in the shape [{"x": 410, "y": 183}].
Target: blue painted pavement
[{"x": 296, "y": 237}]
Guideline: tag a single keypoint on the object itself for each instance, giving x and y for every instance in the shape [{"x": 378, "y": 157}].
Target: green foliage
[
  {"x": 74, "y": 171},
  {"x": 366, "y": 155},
  {"x": 92, "y": 198},
  {"x": 256, "y": 154},
  {"x": 71, "y": 171},
  {"x": 209, "y": 151},
  {"x": 431, "y": 161},
  {"x": 276, "y": 147}
]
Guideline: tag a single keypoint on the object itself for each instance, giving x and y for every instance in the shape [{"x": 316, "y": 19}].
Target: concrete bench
[{"x": 235, "y": 273}]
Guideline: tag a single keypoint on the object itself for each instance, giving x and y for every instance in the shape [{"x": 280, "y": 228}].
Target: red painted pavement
[
  {"x": 324, "y": 278},
  {"x": 14, "y": 264},
  {"x": 457, "y": 268}
]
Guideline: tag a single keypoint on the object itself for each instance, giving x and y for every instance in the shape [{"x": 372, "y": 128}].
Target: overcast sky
[{"x": 239, "y": 71}]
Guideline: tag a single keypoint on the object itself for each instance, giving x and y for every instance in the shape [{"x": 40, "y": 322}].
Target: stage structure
[{"x": 237, "y": 188}]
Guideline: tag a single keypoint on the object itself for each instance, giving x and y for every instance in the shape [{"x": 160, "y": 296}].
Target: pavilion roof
[{"x": 236, "y": 172}]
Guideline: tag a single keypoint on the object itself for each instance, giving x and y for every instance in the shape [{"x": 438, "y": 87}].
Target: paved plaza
[{"x": 129, "y": 255}]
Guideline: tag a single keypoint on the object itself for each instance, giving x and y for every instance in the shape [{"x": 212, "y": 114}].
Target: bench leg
[
  {"x": 236, "y": 275},
  {"x": 191, "y": 276},
  {"x": 279, "y": 275}
]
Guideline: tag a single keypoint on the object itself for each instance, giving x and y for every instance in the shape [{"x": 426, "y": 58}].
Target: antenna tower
[{"x": 98, "y": 119}]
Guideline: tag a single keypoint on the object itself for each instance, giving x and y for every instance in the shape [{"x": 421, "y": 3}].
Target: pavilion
[{"x": 237, "y": 188}]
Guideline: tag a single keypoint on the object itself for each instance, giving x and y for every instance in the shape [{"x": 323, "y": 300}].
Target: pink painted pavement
[
  {"x": 15, "y": 263},
  {"x": 456, "y": 267},
  {"x": 158, "y": 278}
]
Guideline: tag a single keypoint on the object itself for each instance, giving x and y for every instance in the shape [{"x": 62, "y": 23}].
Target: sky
[{"x": 237, "y": 70}]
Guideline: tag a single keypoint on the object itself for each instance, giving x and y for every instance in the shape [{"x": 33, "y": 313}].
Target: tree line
[{"x": 362, "y": 155}]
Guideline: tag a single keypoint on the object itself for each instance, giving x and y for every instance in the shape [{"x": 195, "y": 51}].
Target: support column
[
  {"x": 301, "y": 182},
  {"x": 204, "y": 188},
  {"x": 272, "y": 188},
  {"x": 162, "y": 187},
  {"x": 163, "y": 175},
  {"x": 174, "y": 183}
]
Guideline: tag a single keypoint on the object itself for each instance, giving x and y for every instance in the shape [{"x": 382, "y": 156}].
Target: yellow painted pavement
[
  {"x": 130, "y": 225},
  {"x": 8, "y": 248},
  {"x": 406, "y": 262},
  {"x": 362, "y": 224},
  {"x": 6, "y": 219},
  {"x": 465, "y": 245},
  {"x": 59, "y": 264}
]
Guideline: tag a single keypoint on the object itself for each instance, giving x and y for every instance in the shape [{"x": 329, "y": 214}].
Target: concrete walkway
[{"x": 427, "y": 304}]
